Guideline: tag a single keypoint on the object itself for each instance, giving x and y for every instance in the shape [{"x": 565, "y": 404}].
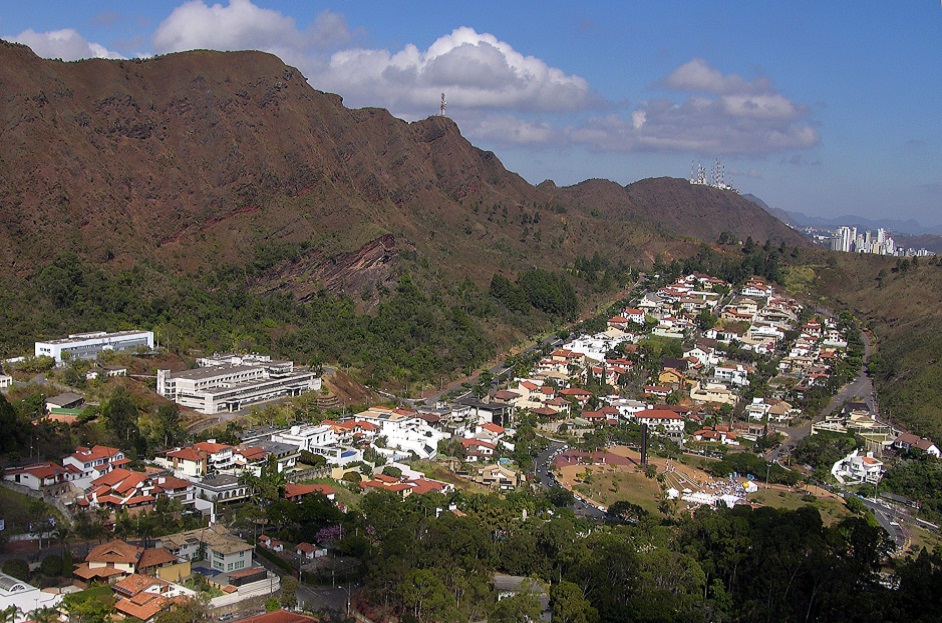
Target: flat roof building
[
  {"x": 88, "y": 345},
  {"x": 228, "y": 388}
]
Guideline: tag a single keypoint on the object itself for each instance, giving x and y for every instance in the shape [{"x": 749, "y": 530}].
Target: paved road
[
  {"x": 888, "y": 519},
  {"x": 546, "y": 479},
  {"x": 861, "y": 387}
]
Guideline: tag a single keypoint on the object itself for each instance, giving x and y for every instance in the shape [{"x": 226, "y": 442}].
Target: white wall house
[
  {"x": 307, "y": 436},
  {"x": 657, "y": 420},
  {"x": 405, "y": 433},
  {"x": 23, "y": 598}
]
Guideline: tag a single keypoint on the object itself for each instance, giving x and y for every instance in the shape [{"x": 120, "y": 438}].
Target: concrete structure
[
  {"x": 89, "y": 345},
  {"x": 23, "y": 597},
  {"x": 6, "y": 382},
  {"x": 308, "y": 437},
  {"x": 222, "y": 488},
  {"x": 228, "y": 388}
]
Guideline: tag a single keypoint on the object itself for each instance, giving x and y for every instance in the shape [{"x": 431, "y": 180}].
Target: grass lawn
[
  {"x": 607, "y": 487},
  {"x": 832, "y": 509},
  {"x": 920, "y": 538},
  {"x": 98, "y": 592},
  {"x": 345, "y": 496},
  {"x": 436, "y": 471},
  {"x": 14, "y": 508}
]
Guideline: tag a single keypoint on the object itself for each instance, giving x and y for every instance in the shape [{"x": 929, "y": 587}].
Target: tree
[
  {"x": 121, "y": 415},
  {"x": 17, "y": 568},
  {"x": 170, "y": 428},
  {"x": 191, "y": 610},
  {"x": 289, "y": 592},
  {"x": 44, "y": 615},
  {"x": 12, "y": 428},
  {"x": 83, "y": 609},
  {"x": 570, "y": 605},
  {"x": 10, "y": 614},
  {"x": 425, "y": 593},
  {"x": 521, "y": 608},
  {"x": 395, "y": 472}
]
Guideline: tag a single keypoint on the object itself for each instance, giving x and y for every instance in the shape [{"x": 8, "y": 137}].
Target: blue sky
[{"x": 827, "y": 108}]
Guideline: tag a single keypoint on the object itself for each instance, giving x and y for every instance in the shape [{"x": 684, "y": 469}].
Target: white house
[
  {"x": 855, "y": 468},
  {"x": 48, "y": 478},
  {"x": 90, "y": 463},
  {"x": 907, "y": 441},
  {"x": 5, "y": 381},
  {"x": 405, "y": 432},
  {"x": 308, "y": 436},
  {"x": 758, "y": 409},
  {"x": 737, "y": 375},
  {"x": 23, "y": 598},
  {"x": 672, "y": 424}
]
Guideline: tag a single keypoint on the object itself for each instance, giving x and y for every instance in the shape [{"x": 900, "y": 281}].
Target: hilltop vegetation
[{"x": 898, "y": 301}]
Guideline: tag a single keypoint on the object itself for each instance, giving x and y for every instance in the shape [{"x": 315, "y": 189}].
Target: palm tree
[
  {"x": 44, "y": 615},
  {"x": 10, "y": 614}
]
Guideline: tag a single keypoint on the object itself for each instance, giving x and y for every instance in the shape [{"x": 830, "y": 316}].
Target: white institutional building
[
  {"x": 88, "y": 345},
  {"x": 230, "y": 387}
]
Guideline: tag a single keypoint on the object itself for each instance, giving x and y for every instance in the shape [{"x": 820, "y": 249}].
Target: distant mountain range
[{"x": 908, "y": 227}]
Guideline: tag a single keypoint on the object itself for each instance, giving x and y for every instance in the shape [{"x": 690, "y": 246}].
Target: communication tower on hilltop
[
  {"x": 698, "y": 174},
  {"x": 717, "y": 177},
  {"x": 442, "y": 110}
]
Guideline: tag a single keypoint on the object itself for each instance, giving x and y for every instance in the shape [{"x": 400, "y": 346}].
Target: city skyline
[{"x": 811, "y": 108}]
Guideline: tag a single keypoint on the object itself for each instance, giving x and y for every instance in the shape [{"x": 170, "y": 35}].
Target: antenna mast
[{"x": 442, "y": 110}]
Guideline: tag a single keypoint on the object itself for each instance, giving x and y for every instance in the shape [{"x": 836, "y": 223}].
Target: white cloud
[
  {"x": 697, "y": 76},
  {"x": 717, "y": 114},
  {"x": 66, "y": 44},
  {"x": 511, "y": 131},
  {"x": 241, "y": 25},
  {"x": 475, "y": 70}
]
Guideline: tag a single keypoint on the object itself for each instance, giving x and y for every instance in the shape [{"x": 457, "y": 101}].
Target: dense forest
[
  {"x": 415, "y": 333},
  {"x": 424, "y": 564}
]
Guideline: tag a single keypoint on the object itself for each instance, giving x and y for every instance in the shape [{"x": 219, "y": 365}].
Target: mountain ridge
[{"x": 195, "y": 159}]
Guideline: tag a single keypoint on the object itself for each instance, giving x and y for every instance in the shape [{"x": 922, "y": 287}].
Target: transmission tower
[{"x": 442, "y": 109}]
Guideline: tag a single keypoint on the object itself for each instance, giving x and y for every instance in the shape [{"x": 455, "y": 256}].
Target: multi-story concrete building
[
  {"x": 89, "y": 345},
  {"x": 228, "y": 388}
]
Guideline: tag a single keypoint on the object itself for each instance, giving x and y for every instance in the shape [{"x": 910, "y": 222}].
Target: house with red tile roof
[
  {"x": 476, "y": 449},
  {"x": 93, "y": 462},
  {"x": 405, "y": 487},
  {"x": 109, "y": 562},
  {"x": 218, "y": 455},
  {"x": 188, "y": 462},
  {"x": 144, "y": 597},
  {"x": 296, "y": 492},
  {"x": 309, "y": 551},
  {"x": 545, "y": 413},
  {"x": 47, "y": 478},
  {"x": 907, "y": 441}
]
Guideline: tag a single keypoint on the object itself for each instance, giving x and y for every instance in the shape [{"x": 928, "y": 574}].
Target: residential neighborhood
[{"x": 690, "y": 368}]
